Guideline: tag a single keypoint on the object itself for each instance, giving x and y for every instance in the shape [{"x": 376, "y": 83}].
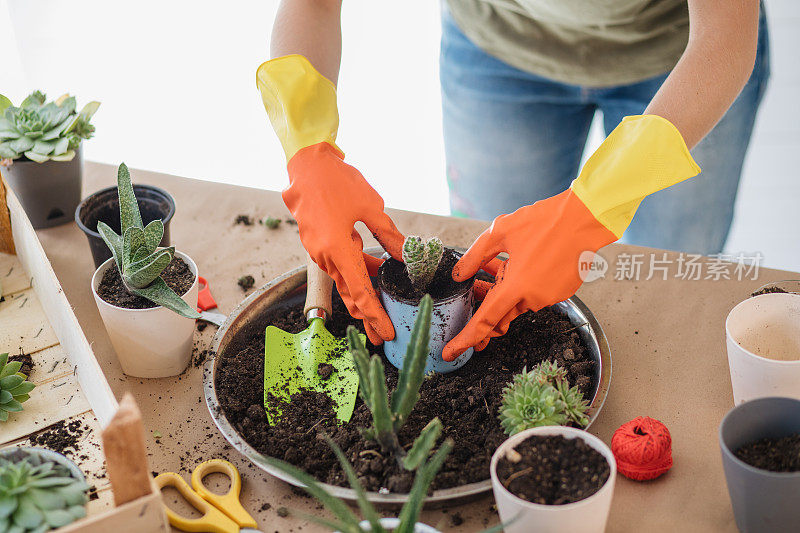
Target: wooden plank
[
  {"x": 6, "y": 238},
  {"x": 57, "y": 396},
  {"x": 126, "y": 455},
  {"x": 13, "y": 277},
  {"x": 23, "y": 324},
  {"x": 59, "y": 312},
  {"x": 139, "y": 516}
]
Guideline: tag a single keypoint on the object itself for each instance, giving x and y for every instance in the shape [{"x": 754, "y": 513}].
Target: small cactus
[
  {"x": 541, "y": 397},
  {"x": 422, "y": 259},
  {"x": 389, "y": 416},
  {"x": 14, "y": 388},
  {"x": 136, "y": 252}
]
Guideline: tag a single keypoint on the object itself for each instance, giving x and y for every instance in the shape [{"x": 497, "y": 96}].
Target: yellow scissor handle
[
  {"x": 212, "y": 521},
  {"x": 229, "y": 502}
]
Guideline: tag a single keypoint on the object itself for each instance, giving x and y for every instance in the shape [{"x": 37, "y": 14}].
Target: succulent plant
[
  {"x": 38, "y": 495},
  {"x": 41, "y": 130},
  {"x": 541, "y": 397},
  {"x": 422, "y": 259},
  {"x": 136, "y": 253},
  {"x": 345, "y": 519},
  {"x": 388, "y": 417},
  {"x": 14, "y": 389}
]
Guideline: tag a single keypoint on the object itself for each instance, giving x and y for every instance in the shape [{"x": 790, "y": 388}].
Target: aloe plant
[
  {"x": 541, "y": 397},
  {"x": 37, "y": 495},
  {"x": 41, "y": 130},
  {"x": 389, "y": 416},
  {"x": 136, "y": 253},
  {"x": 422, "y": 259},
  {"x": 14, "y": 389},
  {"x": 345, "y": 519}
]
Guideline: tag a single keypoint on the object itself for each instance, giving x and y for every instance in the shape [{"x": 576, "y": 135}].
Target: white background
[{"x": 176, "y": 82}]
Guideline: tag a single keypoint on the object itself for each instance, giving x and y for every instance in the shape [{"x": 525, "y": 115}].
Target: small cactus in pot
[{"x": 422, "y": 259}]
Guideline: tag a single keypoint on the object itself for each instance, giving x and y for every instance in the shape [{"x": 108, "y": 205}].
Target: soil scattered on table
[
  {"x": 63, "y": 437},
  {"x": 553, "y": 470},
  {"x": 243, "y": 220},
  {"x": 466, "y": 401},
  {"x": 394, "y": 279},
  {"x": 246, "y": 282},
  {"x": 178, "y": 277},
  {"x": 770, "y": 290},
  {"x": 775, "y": 455},
  {"x": 26, "y": 360}
]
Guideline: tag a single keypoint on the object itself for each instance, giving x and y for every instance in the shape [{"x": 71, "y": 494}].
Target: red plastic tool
[{"x": 204, "y": 299}]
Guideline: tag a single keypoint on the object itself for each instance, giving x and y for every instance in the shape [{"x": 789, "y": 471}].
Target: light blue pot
[{"x": 448, "y": 318}]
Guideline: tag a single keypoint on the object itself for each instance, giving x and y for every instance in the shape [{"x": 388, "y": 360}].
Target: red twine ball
[{"x": 642, "y": 448}]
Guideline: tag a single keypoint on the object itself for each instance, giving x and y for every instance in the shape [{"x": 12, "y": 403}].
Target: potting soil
[
  {"x": 395, "y": 280},
  {"x": 775, "y": 455}
]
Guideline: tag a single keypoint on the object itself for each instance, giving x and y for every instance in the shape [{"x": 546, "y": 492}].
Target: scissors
[
  {"x": 222, "y": 513},
  {"x": 205, "y": 302}
]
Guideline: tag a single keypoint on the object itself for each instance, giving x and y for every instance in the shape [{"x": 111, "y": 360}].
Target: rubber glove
[
  {"x": 544, "y": 241},
  {"x": 326, "y": 195}
]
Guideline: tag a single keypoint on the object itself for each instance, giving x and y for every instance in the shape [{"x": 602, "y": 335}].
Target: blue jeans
[{"x": 512, "y": 138}]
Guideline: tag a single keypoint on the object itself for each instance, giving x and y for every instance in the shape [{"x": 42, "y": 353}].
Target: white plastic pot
[
  {"x": 391, "y": 523},
  {"x": 150, "y": 343},
  {"x": 585, "y": 516},
  {"x": 763, "y": 337}
]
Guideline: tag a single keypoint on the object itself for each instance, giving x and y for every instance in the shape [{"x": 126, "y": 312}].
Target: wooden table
[{"x": 666, "y": 335}]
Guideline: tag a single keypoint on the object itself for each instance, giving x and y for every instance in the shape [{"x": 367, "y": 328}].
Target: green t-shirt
[{"x": 595, "y": 43}]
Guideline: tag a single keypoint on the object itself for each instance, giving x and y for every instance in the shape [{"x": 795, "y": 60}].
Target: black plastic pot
[
  {"x": 763, "y": 501},
  {"x": 103, "y": 206},
  {"x": 48, "y": 191}
]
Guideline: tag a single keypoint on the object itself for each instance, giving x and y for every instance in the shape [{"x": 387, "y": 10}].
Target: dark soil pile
[
  {"x": 63, "y": 437},
  {"x": 775, "y": 455},
  {"x": 395, "y": 280},
  {"x": 769, "y": 290},
  {"x": 466, "y": 400},
  {"x": 553, "y": 470},
  {"x": 177, "y": 276},
  {"x": 246, "y": 282},
  {"x": 27, "y": 362}
]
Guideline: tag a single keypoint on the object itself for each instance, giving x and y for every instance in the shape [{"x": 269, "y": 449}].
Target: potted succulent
[
  {"x": 14, "y": 387},
  {"x": 40, "y": 490},
  {"x": 146, "y": 295},
  {"x": 760, "y": 445},
  {"x": 427, "y": 268},
  {"x": 555, "y": 479},
  {"x": 40, "y": 145},
  {"x": 103, "y": 206}
]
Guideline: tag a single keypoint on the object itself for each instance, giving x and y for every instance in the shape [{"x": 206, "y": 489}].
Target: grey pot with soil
[
  {"x": 103, "y": 206},
  {"x": 50, "y": 191},
  {"x": 760, "y": 444}
]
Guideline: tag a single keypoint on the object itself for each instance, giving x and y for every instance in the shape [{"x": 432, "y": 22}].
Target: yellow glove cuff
[
  {"x": 300, "y": 102},
  {"x": 644, "y": 154}
]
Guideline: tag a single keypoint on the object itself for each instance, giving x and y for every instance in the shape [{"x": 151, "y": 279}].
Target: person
[{"x": 521, "y": 81}]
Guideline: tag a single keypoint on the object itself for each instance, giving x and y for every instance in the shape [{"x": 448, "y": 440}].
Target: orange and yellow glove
[
  {"x": 544, "y": 241},
  {"x": 326, "y": 195}
]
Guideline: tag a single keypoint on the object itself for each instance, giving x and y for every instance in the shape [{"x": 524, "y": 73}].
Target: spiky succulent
[
  {"x": 37, "y": 495},
  {"x": 14, "y": 389},
  {"x": 41, "y": 130},
  {"x": 139, "y": 260},
  {"x": 422, "y": 259},
  {"x": 541, "y": 397},
  {"x": 388, "y": 417}
]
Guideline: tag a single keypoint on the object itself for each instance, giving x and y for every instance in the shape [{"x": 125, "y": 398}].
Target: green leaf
[
  {"x": 6, "y": 152},
  {"x": 11, "y": 368},
  {"x": 381, "y": 415},
  {"x": 56, "y": 132},
  {"x": 24, "y": 388},
  {"x": 69, "y": 155},
  {"x": 409, "y": 515},
  {"x": 132, "y": 240},
  {"x": 144, "y": 272},
  {"x": 367, "y": 510},
  {"x": 27, "y": 515},
  {"x": 158, "y": 292},
  {"x": 153, "y": 233},
  {"x": 112, "y": 240},
  {"x": 3, "y": 361},
  {"x": 4, "y": 103},
  {"x": 58, "y": 518},
  {"x": 48, "y": 499},
  {"x": 61, "y": 147},
  {"x": 89, "y": 110},
  {"x": 35, "y": 99},
  {"x": 361, "y": 360},
  {"x": 39, "y": 158},
  {"x": 9, "y": 382},
  {"x": 128, "y": 207},
  {"x": 423, "y": 445},
  {"x": 43, "y": 147},
  {"x": 3, "y": 414},
  {"x": 22, "y": 144},
  {"x": 5, "y": 396},
  {"x": 7, "y": 506},
  {"x": 13, "y": 406},
  {"x": 413, "y": 372}
]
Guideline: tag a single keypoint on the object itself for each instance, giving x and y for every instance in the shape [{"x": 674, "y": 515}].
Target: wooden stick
[
  {"x": 126, "y": 459},
  {"x": 6, "y": 239}
]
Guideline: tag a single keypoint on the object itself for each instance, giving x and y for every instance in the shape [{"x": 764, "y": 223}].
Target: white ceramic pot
[
  {"x": 585, "y": 516},
  {"x": 150, "y": 343},
  {"x": 763, "y": 337},
  {"x": 391, "y": 523}
]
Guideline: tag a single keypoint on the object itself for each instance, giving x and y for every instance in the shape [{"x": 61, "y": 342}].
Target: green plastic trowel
[{"x": 299, "y": 361}]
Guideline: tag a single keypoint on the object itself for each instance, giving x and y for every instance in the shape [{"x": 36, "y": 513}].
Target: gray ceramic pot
[
  {"x": 17, "y": 453},
  {"x": 50, "y": 191},
  {"x": 763, "y": 501}
]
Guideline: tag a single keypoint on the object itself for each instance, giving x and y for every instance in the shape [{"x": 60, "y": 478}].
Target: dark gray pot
[
  {"x": 49, "y": 191},
  {"x": 103, "y": 206},
  {"x": 763, "y": 501}
]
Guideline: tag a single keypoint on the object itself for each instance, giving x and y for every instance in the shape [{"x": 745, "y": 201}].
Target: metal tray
[{"x": 289, "y": 289}]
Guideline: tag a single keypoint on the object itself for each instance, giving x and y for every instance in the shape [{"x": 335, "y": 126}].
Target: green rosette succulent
[
  {"x": 14, "y": 389},
  {"x": 541, "y": 397},
  {"x": 139, "y": 259},
  {"x": 37, "y": 495},
  {"x": 41, "y": 130},
  {"x": 422, "y": 259}
]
